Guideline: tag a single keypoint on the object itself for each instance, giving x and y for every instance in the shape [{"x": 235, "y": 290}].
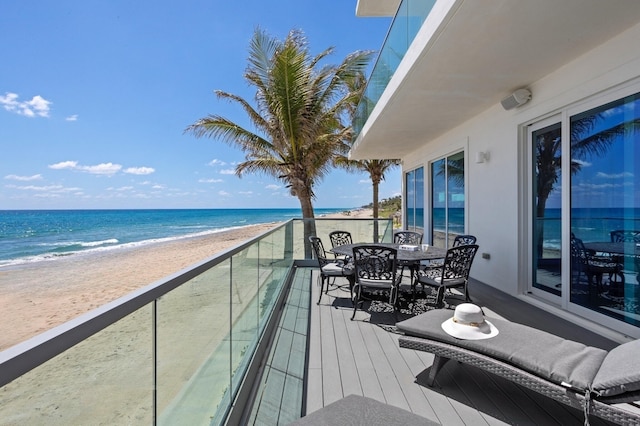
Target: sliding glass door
[
  {"x": 414, "y": 199},
  {"x": 545, "y": 142},
  {"x": 605, "y": 207},
  {"x": 447, "y": 199}
]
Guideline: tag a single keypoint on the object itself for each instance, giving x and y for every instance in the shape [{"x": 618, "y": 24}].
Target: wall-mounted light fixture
[
  {"x": 481, "y": 157},
  {"x": 516, "y": 99}
]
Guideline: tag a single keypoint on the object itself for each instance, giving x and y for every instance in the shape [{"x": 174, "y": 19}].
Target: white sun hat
[{"x": 468, "y": 323}]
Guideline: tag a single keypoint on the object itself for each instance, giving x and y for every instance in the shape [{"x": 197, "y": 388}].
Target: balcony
[
  {"x": 407, "y": 22},
  {"x": 239, "y": 339}
]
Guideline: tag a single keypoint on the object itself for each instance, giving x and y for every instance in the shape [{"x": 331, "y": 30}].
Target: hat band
[{"x": 471, "y": 324}]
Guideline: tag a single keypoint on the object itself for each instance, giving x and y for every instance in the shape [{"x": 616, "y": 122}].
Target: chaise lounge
[{"x": 601, "y": 383}]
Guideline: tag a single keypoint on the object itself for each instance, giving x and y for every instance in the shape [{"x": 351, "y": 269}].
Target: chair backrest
[
  {"x": 579, "y": 253},
  {"x": 621, "y": 236},
  {"x": 407, "y": 237},
  {"x": 458, "y": 261},
  {"x": 318, "y": 250},
  {"x": 374, "y": 262},
  {"x": 463, "y": 240},
  {"x": 340, "y": 238}
]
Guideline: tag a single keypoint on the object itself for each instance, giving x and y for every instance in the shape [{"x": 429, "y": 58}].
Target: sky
[{"x": 95, "y": 96}]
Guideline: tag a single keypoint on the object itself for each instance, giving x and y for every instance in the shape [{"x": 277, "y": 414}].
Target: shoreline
[
  {"x": 41, "y": 295},
  {"x": 38, "y": 296}
]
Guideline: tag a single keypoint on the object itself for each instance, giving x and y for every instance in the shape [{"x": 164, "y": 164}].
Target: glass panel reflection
[
  {"x": 105, "y": 379},
  {"x": 547, "y": 188},
  {"x": 605, "y": 208},
  {"x": 193, "y": 354},
  {"x": 447, "y": 199}
]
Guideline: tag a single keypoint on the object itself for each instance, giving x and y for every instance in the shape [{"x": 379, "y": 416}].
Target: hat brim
[{"x": 485, "y": 330}]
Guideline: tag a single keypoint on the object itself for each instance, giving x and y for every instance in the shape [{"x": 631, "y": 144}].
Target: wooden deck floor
[{"x": 359, "y": 357}]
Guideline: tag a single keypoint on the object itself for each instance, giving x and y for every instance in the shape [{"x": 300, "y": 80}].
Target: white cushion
[{"x": 334, "y": 268}]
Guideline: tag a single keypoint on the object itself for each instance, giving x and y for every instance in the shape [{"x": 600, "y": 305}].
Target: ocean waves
[{"x": 32, "y": 236}]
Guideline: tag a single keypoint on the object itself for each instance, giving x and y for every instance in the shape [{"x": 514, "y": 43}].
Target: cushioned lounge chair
[{"x": 601, "y": 383}]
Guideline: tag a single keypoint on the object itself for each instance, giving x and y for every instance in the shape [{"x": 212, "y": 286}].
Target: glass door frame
[
  {"x": 464, "y": 151},
  {"x": 531, "y": 128}
]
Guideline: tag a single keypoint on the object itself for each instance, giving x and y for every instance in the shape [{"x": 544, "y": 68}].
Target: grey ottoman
[{"x": 356, "y": 410}]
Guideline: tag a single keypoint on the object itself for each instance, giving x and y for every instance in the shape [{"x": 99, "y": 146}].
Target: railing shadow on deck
[{"x": 186, "y": 347}]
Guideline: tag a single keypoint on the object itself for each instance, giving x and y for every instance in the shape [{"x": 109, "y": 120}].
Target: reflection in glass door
[
  {"x": 605, "y": 208},
  {"x": 414, "y": 200},
  {"x": 545, "y": 141},
  {"x": 447, "y": 199}
]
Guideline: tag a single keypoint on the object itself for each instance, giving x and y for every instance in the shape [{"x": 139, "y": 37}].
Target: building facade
[{"x": 519, "y": 122}]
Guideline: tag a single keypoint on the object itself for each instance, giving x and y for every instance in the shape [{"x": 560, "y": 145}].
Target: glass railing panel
[
  {"x": 271, "y": 274},
  {"x": 258, "y": 276},
  {"x": 246, "y": 274},
  {"x": 406, "y": 24},
  {"x": 362, "y": 230},
  {"x": 105, "y": 379},
  {"x": 177, "y": 359},
  {"x": 193, "y": 322}
]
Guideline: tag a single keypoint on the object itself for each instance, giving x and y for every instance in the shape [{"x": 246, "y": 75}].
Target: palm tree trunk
[
  {"x": 309, "y": 222},
  {"x": 375, "y": 211}
]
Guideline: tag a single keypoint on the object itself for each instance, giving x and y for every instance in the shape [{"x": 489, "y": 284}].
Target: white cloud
[
  {"x": 614, "y": 176},
  {"x": 227, "y": 172},
  {"x": 73, "y": 117},
  {"x": 64, "y": 165},
  {"x": 273, "y": 187},
  {"x": 216, "y": 162},
  {"x": 246, "y": 192},
  {"x": 582, "y": 163},
  {"x": 24, "y": 178},
  {"x": 101, "y": 169},
  {"x": 35, "y": 188},
  {"x": 37, "y": 106},
  {"x": 363, "y": 181},
  {"x": 98, "y": 169},
  {"x": 139, "y": 170},
  {"x": 210, "y": 180},
  {"x": 223, "y": 193}
]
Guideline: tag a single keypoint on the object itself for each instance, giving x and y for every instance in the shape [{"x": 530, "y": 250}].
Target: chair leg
[
  {"x": 438, "y": 362},
  {"x": 352, "y": 282},
  {"x": 466, "y": 293},
  {"x": 355, "y": 303},
  {"x": 440, "y": 297},
  {"x": 321, "y": 278}
]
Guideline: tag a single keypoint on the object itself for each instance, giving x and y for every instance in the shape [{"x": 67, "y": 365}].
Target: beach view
[
  {"x": 296, "y": 213},
  {"x": 118, "y": 176},
  {"x": 42, "y": 292}
]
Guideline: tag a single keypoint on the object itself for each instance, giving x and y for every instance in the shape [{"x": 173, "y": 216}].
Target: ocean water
[
  {"x": 589, "y": 224},
  {"x": 34, "y": 235}
]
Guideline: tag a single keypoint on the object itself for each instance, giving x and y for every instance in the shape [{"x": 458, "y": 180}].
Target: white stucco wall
[{"x": 493, "y": 206}]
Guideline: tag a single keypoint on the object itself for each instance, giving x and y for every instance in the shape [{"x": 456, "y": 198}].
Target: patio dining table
[
  {"x": 621, "y": 249},
  {"x": 408, "y": 258}
]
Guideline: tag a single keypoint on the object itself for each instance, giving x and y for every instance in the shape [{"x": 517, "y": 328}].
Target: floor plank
[{"x": 360, "y": 357}]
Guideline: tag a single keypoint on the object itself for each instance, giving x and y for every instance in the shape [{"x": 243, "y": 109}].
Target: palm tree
[
  {"x": 376, "y": 168},
  {"x": 297, "y": 119},
  {"x": 583, "y": 145}
]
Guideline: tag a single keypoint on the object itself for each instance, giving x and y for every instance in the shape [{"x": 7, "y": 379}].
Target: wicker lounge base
[{"x": 572, "y": 383}]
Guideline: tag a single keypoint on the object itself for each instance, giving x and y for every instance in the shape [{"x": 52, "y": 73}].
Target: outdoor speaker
[{"x": 517, "y": 98}]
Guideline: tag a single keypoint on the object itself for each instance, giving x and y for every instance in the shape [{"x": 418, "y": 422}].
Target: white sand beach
[{"x": 37, "y": 297}]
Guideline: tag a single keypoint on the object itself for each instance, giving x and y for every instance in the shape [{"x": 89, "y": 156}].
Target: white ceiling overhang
[
  {"x": 377, "y": 7},
  {"x": 470, "y": 54}
]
